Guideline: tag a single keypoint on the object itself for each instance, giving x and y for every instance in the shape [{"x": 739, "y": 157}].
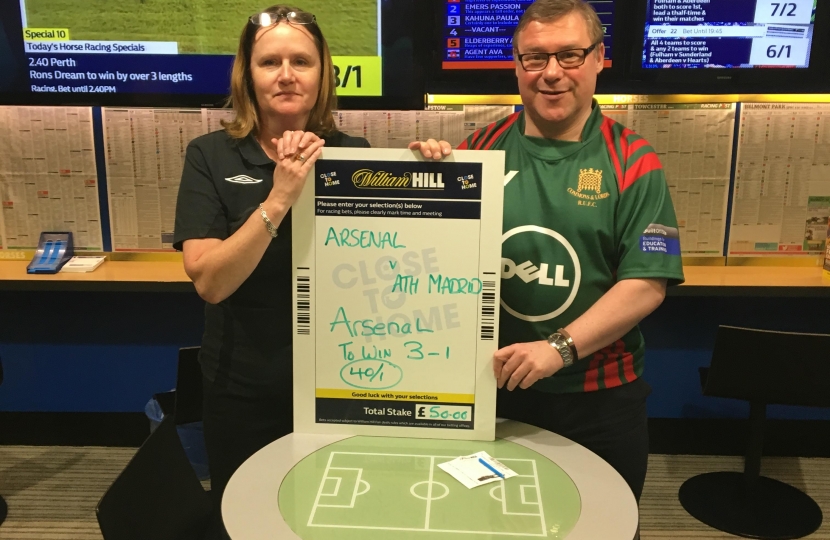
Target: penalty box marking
[{"x": 355, "y": 493}]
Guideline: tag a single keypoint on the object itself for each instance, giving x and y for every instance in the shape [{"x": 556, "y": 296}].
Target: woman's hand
[
  {"x": 296, "y": 157},
  {"x": 293, "y": 142},
  {"x": 432, "y": 149}
]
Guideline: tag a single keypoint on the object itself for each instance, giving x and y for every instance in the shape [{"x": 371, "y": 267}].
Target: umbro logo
[{"x": 243, "y": 179}]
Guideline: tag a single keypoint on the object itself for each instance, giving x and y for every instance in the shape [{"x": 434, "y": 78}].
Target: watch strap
[
  {"x": 570, "y": 342},
  {"x": 558, "y": 342}
]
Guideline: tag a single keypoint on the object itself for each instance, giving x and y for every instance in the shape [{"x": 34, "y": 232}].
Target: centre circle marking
[{"x": 415, "y": 486}]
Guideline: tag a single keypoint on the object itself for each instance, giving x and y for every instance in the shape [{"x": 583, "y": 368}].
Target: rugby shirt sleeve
[
  {"x": 647, "y": 234},
  {"x": 470, "y": 142},
  {"x": 199, "y": 209}
]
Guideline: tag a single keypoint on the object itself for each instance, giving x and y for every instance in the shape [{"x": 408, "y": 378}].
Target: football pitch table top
[{"x": 326, "y": 487}]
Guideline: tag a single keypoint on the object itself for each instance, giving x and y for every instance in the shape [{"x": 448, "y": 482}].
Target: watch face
[{"x": 561, "y": 344}]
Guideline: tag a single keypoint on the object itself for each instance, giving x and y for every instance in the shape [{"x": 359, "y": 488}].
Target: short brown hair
[
  {"x": 243, "y": 100},
  {"x": 551, "y": 10}
]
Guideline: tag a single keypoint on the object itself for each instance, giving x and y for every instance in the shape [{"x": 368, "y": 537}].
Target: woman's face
[{"x": 285, "y": 68}]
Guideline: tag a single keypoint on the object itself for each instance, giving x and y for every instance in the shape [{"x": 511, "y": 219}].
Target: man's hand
[
  {"x": 432, "y": 149},
  {"x": 522, "y": 364}
]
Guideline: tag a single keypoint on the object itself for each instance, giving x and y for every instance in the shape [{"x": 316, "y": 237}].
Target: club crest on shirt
[
  {"x": 589, "y": 187},
  {"x": 243, "y": 179}
]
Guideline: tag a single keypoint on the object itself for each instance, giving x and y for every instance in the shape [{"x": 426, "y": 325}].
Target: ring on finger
[{"x": 300, "y": 157}]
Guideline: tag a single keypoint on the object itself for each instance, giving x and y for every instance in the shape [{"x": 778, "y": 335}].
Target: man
[{"x": 590, "y": 243}]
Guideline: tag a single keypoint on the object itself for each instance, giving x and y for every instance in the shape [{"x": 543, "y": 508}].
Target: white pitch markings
[
  {"x": 493, "y": 493},
  {"x": 539, "y": 499},
  {"x": 357, "y": 483},
  {"x": 355, "y": 493},
  {"x": 429, "y": 497},
  {"x": 524, "y": 496},
  {"x": 336, "y": 487},
  {"x": 398, "y": 455},
  {"x": 320, "y": 491},
  {"x": 502, "y": 497},
  {"x": 491, "y": 533},
  {"x": 429, "y": 491}
]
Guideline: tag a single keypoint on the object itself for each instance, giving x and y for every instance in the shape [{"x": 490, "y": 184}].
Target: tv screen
[
  {"x": 728, "y": 33},
  {"x": 479, "y": 35},
  {"x": 180, "y": 47}
]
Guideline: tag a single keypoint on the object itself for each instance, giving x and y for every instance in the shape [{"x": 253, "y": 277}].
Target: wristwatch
[
  {"x": 564, "y": 344},
  {"x": 272, "y": 230}
]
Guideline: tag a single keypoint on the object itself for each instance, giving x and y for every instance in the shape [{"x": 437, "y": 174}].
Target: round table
[{"x": 343, "y": 487}]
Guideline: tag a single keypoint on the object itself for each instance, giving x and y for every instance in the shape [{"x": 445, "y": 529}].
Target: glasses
[
  {"x": 569, "y": 59},
  {"x": 266, "y": 18}
]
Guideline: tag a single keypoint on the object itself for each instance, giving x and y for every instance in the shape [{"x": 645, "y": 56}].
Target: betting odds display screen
[
  {"x": 479, "y": 35},
  {"x": 728, "y": 33},
  {"x": 175, "y": 46}
]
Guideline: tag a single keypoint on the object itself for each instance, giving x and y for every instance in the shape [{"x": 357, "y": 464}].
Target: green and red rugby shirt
[{"x": 578, "y": 217}]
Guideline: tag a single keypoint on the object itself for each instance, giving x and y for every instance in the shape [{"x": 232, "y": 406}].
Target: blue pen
[{"x": 481, "y": 460}]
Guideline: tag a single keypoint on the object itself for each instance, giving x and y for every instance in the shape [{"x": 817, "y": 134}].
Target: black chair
[
  {"x": 157, "y": 495},
  {"x": 4, "y": 508},
  {"x": 761, "y": 367}
]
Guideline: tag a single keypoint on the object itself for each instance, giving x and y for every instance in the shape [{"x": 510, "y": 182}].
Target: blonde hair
[
  {"x": 551, "y": 10},
  {"x": 243, "y": 99}
]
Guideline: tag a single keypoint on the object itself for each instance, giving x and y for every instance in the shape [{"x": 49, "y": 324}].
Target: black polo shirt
[{"x": 247, "y": 336}]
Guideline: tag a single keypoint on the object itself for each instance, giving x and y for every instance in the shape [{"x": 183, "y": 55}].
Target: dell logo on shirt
[
  {"x": 523, "y": 298},
  {"x": 243, "y": 179},
  {"x": 528, "y": 272}
]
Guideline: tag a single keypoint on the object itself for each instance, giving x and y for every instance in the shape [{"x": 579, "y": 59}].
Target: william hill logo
[
  {"x": 589, "y": 187},
  {"x": 367, "y": 178}
]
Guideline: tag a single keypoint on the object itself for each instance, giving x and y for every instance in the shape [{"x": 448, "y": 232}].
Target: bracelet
[
  {"x": 272, "y": 230},
  {"x": 570, "y": 342}
]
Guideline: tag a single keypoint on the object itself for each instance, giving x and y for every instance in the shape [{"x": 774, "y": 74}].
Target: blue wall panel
[
  {"x": 680, "y": 336},
  {"x": 84, "y": 376},
  {"x": 92, "y": 352}
]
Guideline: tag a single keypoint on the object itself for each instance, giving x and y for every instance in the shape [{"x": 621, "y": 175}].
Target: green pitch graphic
[{"x": 369, "y": 488}]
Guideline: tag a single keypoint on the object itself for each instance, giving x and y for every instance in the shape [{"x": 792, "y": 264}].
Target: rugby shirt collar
[{"x": 554, "y": 150}]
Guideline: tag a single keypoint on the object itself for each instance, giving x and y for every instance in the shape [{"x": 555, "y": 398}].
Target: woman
[{"x": 233, "y": 225}]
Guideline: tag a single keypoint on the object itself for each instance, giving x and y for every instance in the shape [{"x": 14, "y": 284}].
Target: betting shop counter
[{"x": 169, "y": 275}]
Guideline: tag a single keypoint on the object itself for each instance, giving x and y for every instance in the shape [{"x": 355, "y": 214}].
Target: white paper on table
[
  {"x": 470, "y": 471},
  {"x": 83, "y": 263}
]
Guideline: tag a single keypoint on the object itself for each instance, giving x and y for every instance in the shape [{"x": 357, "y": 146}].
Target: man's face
[{"x": 556, "y": 96}]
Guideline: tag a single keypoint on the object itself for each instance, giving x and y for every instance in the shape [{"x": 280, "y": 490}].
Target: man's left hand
[
  {"x": 522, "y": 364},
  {"x": 432, "y": 149}
]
